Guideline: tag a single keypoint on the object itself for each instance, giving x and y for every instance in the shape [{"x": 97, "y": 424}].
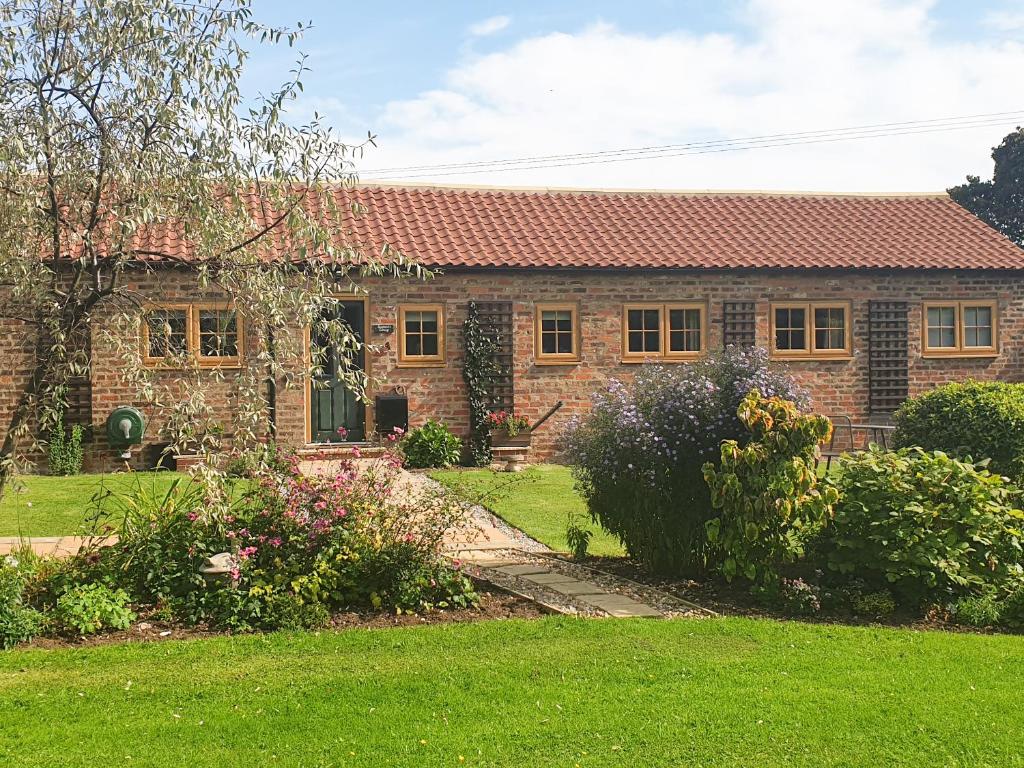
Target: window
[
  {"x": 557, "y": 333},
  {"x": 165, "y": 332},
  {"x": 960, "y": 328},
  {"x": 421, "y": 335},
  {"x": 664, "y": 331},
  {"x": 217, "y": 335},
  {"x": 811, "y": 329},
  {"x": 211, "y": 334}
]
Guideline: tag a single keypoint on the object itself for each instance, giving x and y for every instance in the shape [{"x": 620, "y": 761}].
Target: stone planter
[{"x": 510, "y": 450}]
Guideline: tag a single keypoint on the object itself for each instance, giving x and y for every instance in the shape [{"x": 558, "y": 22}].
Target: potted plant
[{"x": 508, "y": 429}]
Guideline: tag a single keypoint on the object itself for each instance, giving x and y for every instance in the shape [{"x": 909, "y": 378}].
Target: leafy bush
[
  {"x": 767, "y": 490},
  {"x": 980, "y": 420},
  {"x": 637, "y": 456},
  {"x": 90, "y": 608},
  {"x": 432, "y": 445},
  {"x": 65, "y": 448},
  {"x": 19, "y": 623},
  {"x": 298, "y": 546},
  {"x": 875, "y": 605},
  {"x": 797, "y": 597},
  {"x": 978, "y": 610},
  {"x": 1011, "y": 608},
  {"x": 578, "y": 538},
  {"x": 924, "y": 523}
]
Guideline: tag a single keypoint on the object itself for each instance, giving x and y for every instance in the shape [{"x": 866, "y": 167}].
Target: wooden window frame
[
  {"x": 664, "y": 354},
  {"x": 164, "y": 362},
  {"x": 439, "y": 360},
  {"x": 234, "y": 361},
  {"x": 556, "y": 358},
  {"x": 810, "y": 350},
  {"x": 666, "y": 336},
  {"x": 959, "y": 350}
]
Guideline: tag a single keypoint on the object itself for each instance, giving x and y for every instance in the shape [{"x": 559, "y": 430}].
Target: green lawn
[
  {"x": 537, "y": 500},
  {"x": 554, "y": 692},
  {"x": 53, "y": 506}
]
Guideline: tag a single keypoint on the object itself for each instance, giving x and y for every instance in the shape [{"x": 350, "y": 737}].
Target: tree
[
  {"x": 122, "y": 120},
  {"x": 999, "y": 202}
]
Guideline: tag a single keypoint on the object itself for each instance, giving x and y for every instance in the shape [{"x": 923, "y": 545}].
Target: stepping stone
[
  {"x": 488, "y": 562},
  {"x": 621, "y": 606},
  {"x": 576, "y": 588},
  {"x": 522, "y": 569},
  {"x": 548, "y": 578}
]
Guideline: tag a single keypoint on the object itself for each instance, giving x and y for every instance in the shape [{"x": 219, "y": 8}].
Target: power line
[{"x": 878, "y": 130}]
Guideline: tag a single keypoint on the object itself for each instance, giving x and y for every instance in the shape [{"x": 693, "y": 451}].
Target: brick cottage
[{"x": 865, "y": 298}]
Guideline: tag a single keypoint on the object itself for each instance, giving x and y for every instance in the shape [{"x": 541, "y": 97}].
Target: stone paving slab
[
  {"x": 620, "y": 606},
  {"x": 548, "y": 578},
  {"x": 576, "y": 588},
  {"x": 522, "y": 569}
]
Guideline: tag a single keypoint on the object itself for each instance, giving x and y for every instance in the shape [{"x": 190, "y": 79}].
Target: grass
[
  {"x": 54, "y": 506},
  {"x": 538, "y": 500},
  {"x": 554, "y": 692}
]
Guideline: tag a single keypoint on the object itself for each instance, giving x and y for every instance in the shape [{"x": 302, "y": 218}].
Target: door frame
[{"x": 307, "y": 390}]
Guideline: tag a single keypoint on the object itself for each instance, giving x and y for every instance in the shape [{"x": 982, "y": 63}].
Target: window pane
[
  {"x": 218, "y": 333},
  {"x": 652, "y": 341},
  {"x": 547, "y": 321},
  {"x": 429, "y": 322},
  {"x": 652, "y": 319},
  {"x": 636, "y": 341},
  {"x": 430, "y": 344},
  {"x": 797, "y": 339},
  {"x": 548, "y": 343},
  {"x": 168, "y": 332},
  {"x": 564, "y": 321},
  {"x": 412, "y": 322},
  {"x": 413, "y": 344},
  {"x": 977, "y": 326},
  {"x": 634, "y": 319},
  {"x": 781, "y": 338},
  {"x": 970, "y": 337},
  {"x": 565, "y": 343}
]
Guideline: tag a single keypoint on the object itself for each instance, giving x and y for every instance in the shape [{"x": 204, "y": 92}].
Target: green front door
[{"x": 332, "y": 404}]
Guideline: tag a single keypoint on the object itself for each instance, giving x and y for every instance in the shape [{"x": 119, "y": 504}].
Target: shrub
[
  {"x": 432, "y": 445},
  {"x": 299, "y": 547},
  {"x": 19, "y": 623},
  {"x": 637, "y": 456},
  {"x": 767, "y": 490},
  {"x": 1011, "y": 608},
  {"x": 924, "y": 523},
  {"x": 797, "y": 597},
  {"x": 577, "y": 537},
  {"x": 90, "y": 608},
  {"x": 980, "y": 420},
  {"x": 978, "y": 610},
  {"x": 65, "y": 448},
  {"x": 874, "y": 605}
]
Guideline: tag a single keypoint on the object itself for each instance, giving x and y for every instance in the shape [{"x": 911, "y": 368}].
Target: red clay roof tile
[{"x": 505, "y": 228}]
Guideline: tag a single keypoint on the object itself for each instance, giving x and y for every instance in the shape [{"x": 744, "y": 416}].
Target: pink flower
[
  {"x": 342, "y": 432},
  {"x": 246, "y": 552},
  {"x": 192, "y": 516}
]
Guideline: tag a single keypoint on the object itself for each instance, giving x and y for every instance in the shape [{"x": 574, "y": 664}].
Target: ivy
[{"x": 479, "y": 368}]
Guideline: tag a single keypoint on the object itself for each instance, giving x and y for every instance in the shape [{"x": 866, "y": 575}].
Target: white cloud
[
  {"x": 797, "y": 65},
  {"x": 489, "y": 26},
  {"x": 1004, "y": 21}
]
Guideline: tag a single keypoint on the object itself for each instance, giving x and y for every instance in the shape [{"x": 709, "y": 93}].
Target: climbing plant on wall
[{"x": 479, "y": 368}]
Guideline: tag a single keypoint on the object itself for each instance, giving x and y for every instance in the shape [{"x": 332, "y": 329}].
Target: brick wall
[{"x": 838, "y": 387}]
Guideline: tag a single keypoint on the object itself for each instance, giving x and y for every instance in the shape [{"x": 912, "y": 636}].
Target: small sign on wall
[{"x": 383, "y": 328}]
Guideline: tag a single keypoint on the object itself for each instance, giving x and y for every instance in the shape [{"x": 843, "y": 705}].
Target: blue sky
[{"x": 456, "y": 82}]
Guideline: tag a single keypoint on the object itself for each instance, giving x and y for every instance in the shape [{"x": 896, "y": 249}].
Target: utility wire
[{"x": 879, "y": 130}]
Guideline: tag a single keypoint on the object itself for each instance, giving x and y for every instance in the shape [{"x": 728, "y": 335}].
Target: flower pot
[{"x": 500, "y": 438}]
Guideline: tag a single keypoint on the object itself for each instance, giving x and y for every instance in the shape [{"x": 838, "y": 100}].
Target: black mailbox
[{"x": 391, "y": 411}]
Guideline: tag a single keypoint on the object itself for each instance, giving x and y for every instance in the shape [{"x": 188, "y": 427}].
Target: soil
[
  {"x": 735, "y": 600},
  {"x": 494, "y": 606}
]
